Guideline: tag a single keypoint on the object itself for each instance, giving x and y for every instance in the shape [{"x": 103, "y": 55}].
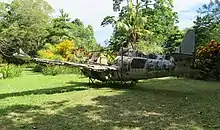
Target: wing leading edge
[{"x": 21, "y": 55}]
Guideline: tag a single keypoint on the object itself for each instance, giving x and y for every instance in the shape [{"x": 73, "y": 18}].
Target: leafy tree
[
  {"x": 162, "y": 19},
  {"x": 85, "y": 36},
  {"x": 28, "y": 24},
  {"x": 207, "y": 27},
  {"x": 59, "y": 29},
  {"x": 207, "y": 23},
  {"x": 23, "y": 25},
  {"x": 130, "y": 23},
  {"x": 78, "y": 22},
  {"x": 64, "y": 29},
  {"x": 157, "y": 28},
  {"x": 173, "y": 41}
]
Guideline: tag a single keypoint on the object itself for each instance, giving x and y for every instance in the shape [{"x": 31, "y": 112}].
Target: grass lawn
[{"x": 34, "y": 101}]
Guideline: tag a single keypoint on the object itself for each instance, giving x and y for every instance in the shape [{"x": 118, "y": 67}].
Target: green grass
[{"x": 34, "y": 101}]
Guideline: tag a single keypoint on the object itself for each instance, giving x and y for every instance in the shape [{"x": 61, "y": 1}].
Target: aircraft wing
[
  {"x": 58, "y": 62},
  {"x": 96, "y": 67},
  {"x": 101, "y": 67}
]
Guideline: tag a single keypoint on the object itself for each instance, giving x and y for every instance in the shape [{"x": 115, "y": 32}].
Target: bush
[
  {"x": 28, "y": 65},
  {"x": 65, "y": 48},
  {"x": 55, "y": 70},
  {"x": 190, "y": 73},
  {"x": 65, "y": 51},
  {"x": 48, "y": 54},
  {"x": 210, "y": 51},
  {"x": 38, "y": 68},
  {"x": 11, "y": 71},
  {"x": 110, "y": 57},
  {"x": 209, "y": 58},
  {"x": 150, "y": 48}
]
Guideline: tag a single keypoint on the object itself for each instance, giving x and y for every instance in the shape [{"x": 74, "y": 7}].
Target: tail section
[
  {"x": 21, "y": 55},
  {"x": 187, "y": 47}
]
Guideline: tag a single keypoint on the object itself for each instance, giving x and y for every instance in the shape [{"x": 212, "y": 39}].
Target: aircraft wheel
[{"x": 134, "y": 82}]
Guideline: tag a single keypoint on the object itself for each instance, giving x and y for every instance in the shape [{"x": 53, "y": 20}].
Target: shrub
[
  {"x": 38, "y": 68},
  {"x": 55, "y": 70},
  {"x": 48, "y": 54},
  {"x": 209, "y": 57},
  {"x": 65, "y": 48},
  {"x": 66, "y": 51},
  {"x": 110, "y": 56},
  {"x": 150, "y": 48},
  {"x": 50, "y": 47},
  {"x": 11, "y": 71},
  {"x": 30, "y": 65},
  {"x": 210, "y": 51}
]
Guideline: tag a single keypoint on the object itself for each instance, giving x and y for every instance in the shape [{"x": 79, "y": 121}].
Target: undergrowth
[
  {"x": 10, "y": 71},
  {"x": 55, "y": 70}
]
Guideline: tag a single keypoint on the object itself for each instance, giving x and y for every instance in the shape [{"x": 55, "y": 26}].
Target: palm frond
[{"x": 109, "y": 20}]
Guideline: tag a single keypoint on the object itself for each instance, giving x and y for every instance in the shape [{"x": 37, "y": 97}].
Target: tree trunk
[{"x": 218, "y": 66}]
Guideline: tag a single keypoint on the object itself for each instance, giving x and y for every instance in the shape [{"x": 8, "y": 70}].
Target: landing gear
[
  {"x": 91, "y": 81},
  {"x": 129, "y": 84},
  {"x": 133, "y": 82},
  {"x": 113, "y": 83}
]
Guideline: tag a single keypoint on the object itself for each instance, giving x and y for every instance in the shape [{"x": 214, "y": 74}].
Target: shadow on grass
[
  {"x": 98, "y": 85},
  {"x": 18, "y": 109},
  {"x": 7, "y": 115},
  {"x": 144, "y": 106},
  {"x": 55, "y": 90},
  {"x": 170, "y": 87}
]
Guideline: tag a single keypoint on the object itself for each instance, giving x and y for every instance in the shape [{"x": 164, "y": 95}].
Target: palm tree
[{"x": 131, "y": 21}]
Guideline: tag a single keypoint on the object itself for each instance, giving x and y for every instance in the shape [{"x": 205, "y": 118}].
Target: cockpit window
[
  {"x": 152, "y": 56},
  {"x": 167, "y": 57},
  {"x": 138, "y": 63}
]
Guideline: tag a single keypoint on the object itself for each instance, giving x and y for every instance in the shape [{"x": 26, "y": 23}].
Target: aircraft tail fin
[
  {"x": 21, "y": 55},
  {"x": 187, "y": 47}
]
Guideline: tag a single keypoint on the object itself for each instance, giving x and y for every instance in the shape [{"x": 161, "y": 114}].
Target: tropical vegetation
[
  {"x": 39, "y": 96},
  {"x": 148, "y": 25},
  {"x": 209, "y": 58},
  {"x": 29, "y": 25},
  {"x": 207, "y": 30}
]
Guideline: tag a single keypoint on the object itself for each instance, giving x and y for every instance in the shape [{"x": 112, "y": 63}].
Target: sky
[{"x": 94, "y": 11}]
